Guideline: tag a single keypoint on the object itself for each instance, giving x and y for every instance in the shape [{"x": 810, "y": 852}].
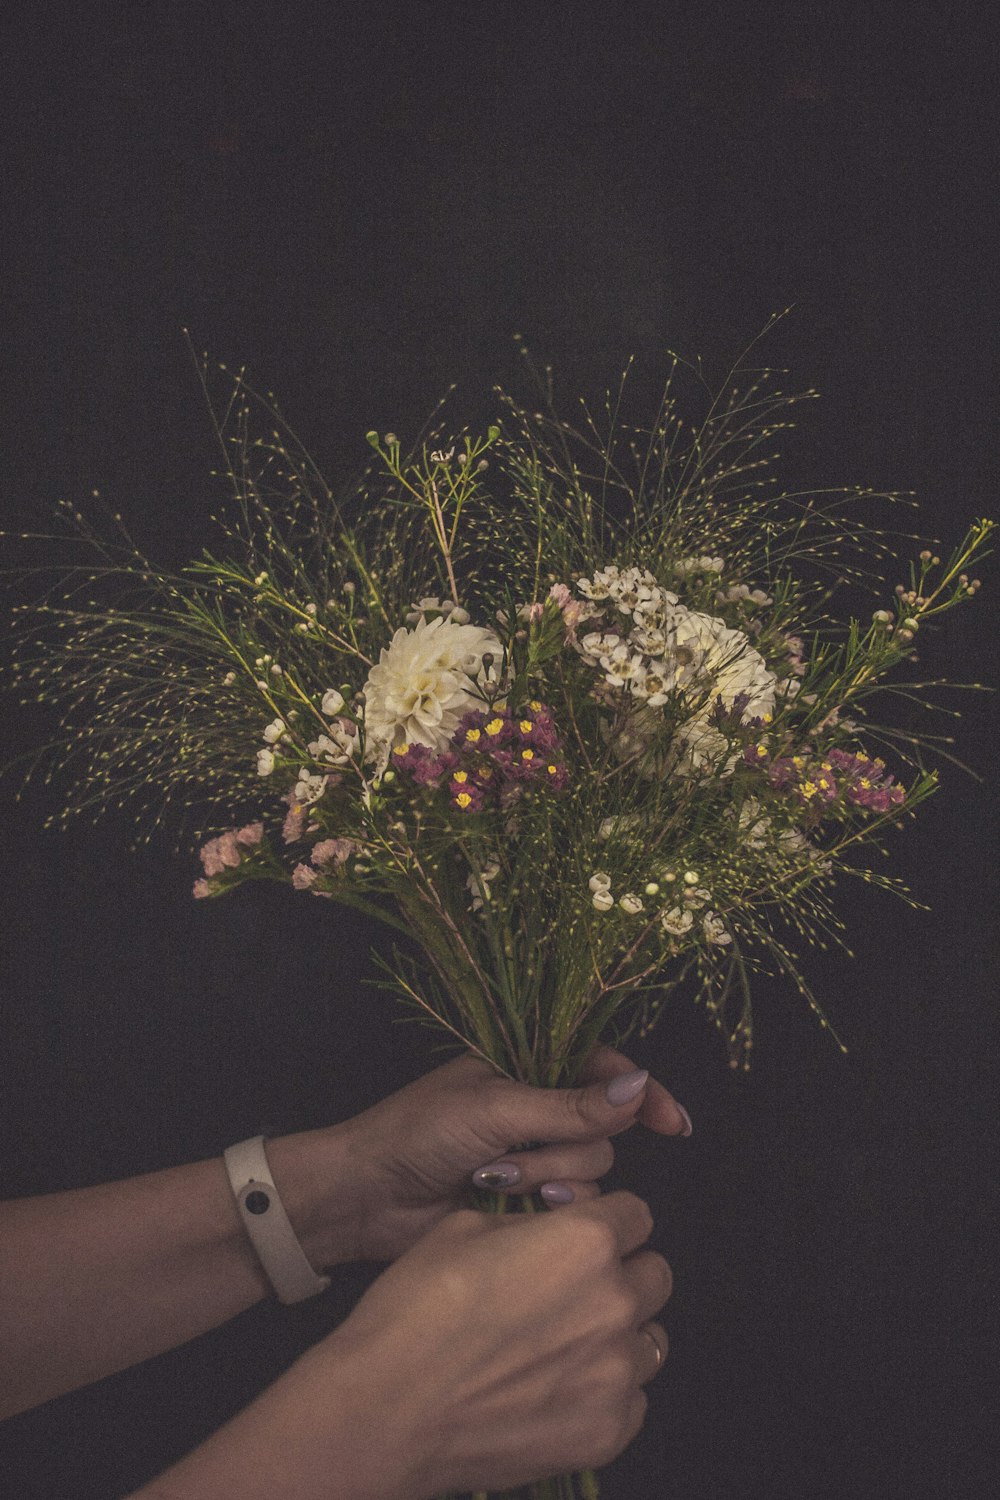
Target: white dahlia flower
[
  {"x": 714, "y": 662},
  {"x": 423, "y": 684}
]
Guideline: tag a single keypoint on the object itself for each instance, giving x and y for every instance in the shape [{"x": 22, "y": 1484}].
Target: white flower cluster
[
  {"x": 758, "y": 831},
  {"x": 668, "y": 649},
  {"x": 676, "y": 920}
]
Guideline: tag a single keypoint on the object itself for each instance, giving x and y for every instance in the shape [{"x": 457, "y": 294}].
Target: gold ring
[{"x": 656, "y": 1345}]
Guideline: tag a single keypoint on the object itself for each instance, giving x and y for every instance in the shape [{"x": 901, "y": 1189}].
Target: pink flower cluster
[
  {"x": 493, "y": 756},
  {"x": 854, "y": 778},
  {"x": 328, "y": 857},
  {"x": 226, "y": 853}
]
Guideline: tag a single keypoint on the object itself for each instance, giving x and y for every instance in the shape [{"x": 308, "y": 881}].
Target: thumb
[{"x": 580, "y": 1114}]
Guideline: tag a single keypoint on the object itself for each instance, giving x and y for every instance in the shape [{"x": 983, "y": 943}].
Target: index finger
[
  {"x": 660, "y": 1111},
  {"x": 627, "y": 1216}
]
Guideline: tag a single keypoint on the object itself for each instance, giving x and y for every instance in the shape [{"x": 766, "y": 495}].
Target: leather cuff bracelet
[{"x": 268, "y": 1226}]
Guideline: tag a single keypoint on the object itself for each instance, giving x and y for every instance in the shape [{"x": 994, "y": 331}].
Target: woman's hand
[
  {"x": 500, "y": 1349},
  {"x": 410, "y": 1159}
]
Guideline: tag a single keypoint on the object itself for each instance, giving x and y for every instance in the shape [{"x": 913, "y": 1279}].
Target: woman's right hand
[
  {"x": 500, "y": 1349},
  {"x": 505, "y": 1348}
]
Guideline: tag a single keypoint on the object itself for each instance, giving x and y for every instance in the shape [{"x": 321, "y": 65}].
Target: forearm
[
  {"x": 94, "y": 1280},
  {"x": 326, "y": 1430}
]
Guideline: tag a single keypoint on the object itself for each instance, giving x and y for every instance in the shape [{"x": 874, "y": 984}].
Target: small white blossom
[
  {"x": 335, "y": 748},
  {"x": 622, "y": 823},
  {"x": 699, "y": 565},
  {"x": 599, "y": 881},
  {"x": 603, "y": 900},
  {"x": 677, "y": 921},
  {"x": 715, "y": 929},
  {"x": 309, "y": 788},
  {"x": 332, "y": 702},
  {"x": 265, "y": 762},
  {"x": 478, "y": 886},
  {"x": 630, "y": 903},
  {"x": 691, "y": 877},
  {"x": 229, "y": 679},
  {"x": 274, "y": 731}
]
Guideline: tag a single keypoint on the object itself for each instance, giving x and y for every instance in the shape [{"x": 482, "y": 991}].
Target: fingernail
[
  {"x": 623, "y": 1090},
  {"x": 499, "y": 1174},
  {"x": 688, "y": 1127},
  {"x": 557, "y": 1192}
]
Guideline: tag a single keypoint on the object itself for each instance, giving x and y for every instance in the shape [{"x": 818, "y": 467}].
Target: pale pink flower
[
  {"x": 201, "y": 889},
  {"x": 229, "y": 849},
  {"x": 303, "y": 877},
  {"x": 572, "y": 610},
  {"x": 251, "y": 835},
  {"x": 331, "y": 854},
  {"x": 220, "y": 854},
  {"x": 295, "y": 819}
]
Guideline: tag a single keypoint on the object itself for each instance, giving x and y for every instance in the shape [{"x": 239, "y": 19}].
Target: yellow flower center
[
  {"x": 526, "y": 726},
  {"x": 401, "y": 750},
  {"x": 808, "y": 789},
  {"x": 473, "y": 736},
  {"x": 463, "y": 799},
  {"x": 527, "y": 754},
  {"x": 494, "y": 726},
  {"x": 461, "y": 776}
]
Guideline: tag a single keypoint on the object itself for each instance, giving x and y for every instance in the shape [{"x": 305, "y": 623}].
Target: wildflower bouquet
[{"x": 568, "y": 710}]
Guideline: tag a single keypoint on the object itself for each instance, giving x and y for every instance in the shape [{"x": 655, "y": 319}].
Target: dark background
[{"x": 364, "y": 203}]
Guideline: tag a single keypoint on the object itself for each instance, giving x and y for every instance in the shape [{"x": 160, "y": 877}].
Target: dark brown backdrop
[{"x": 364, "y": 203}]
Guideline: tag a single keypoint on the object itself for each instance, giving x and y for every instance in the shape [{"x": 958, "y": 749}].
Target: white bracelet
[{"x": 268, "y": 1226}]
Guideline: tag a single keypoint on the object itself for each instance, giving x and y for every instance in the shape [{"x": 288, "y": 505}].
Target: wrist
[{"x": 321, "y": 1182}]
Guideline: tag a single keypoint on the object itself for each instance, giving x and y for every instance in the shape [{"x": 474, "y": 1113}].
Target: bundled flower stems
[{"x": 572, "y": 711}]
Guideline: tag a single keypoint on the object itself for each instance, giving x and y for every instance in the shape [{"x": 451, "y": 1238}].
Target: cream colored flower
[
  {"x": 423, "y": 683},
  {"x": 677, "y": 921}
]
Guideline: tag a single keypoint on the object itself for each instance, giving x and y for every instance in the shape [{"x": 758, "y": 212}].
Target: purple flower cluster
[
  {"x": 492, "y": 758},
  {"x": 865, "y": 781},
  {"x": 853, "y": 778}
]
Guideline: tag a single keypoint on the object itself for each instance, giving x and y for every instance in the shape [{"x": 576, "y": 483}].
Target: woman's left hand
[{"x": 411, "y": 1158}]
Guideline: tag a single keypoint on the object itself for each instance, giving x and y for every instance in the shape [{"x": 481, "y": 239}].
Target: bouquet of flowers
[{"x": 567, "y": 709}]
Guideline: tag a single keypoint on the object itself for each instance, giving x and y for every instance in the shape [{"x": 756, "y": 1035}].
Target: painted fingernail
[
  {"x": 499, "y": 1174},
  {"x": 688, "y": 1127},
  {"x": 622, "y": 1090},
  {"x": 557, "y": 1192}
]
